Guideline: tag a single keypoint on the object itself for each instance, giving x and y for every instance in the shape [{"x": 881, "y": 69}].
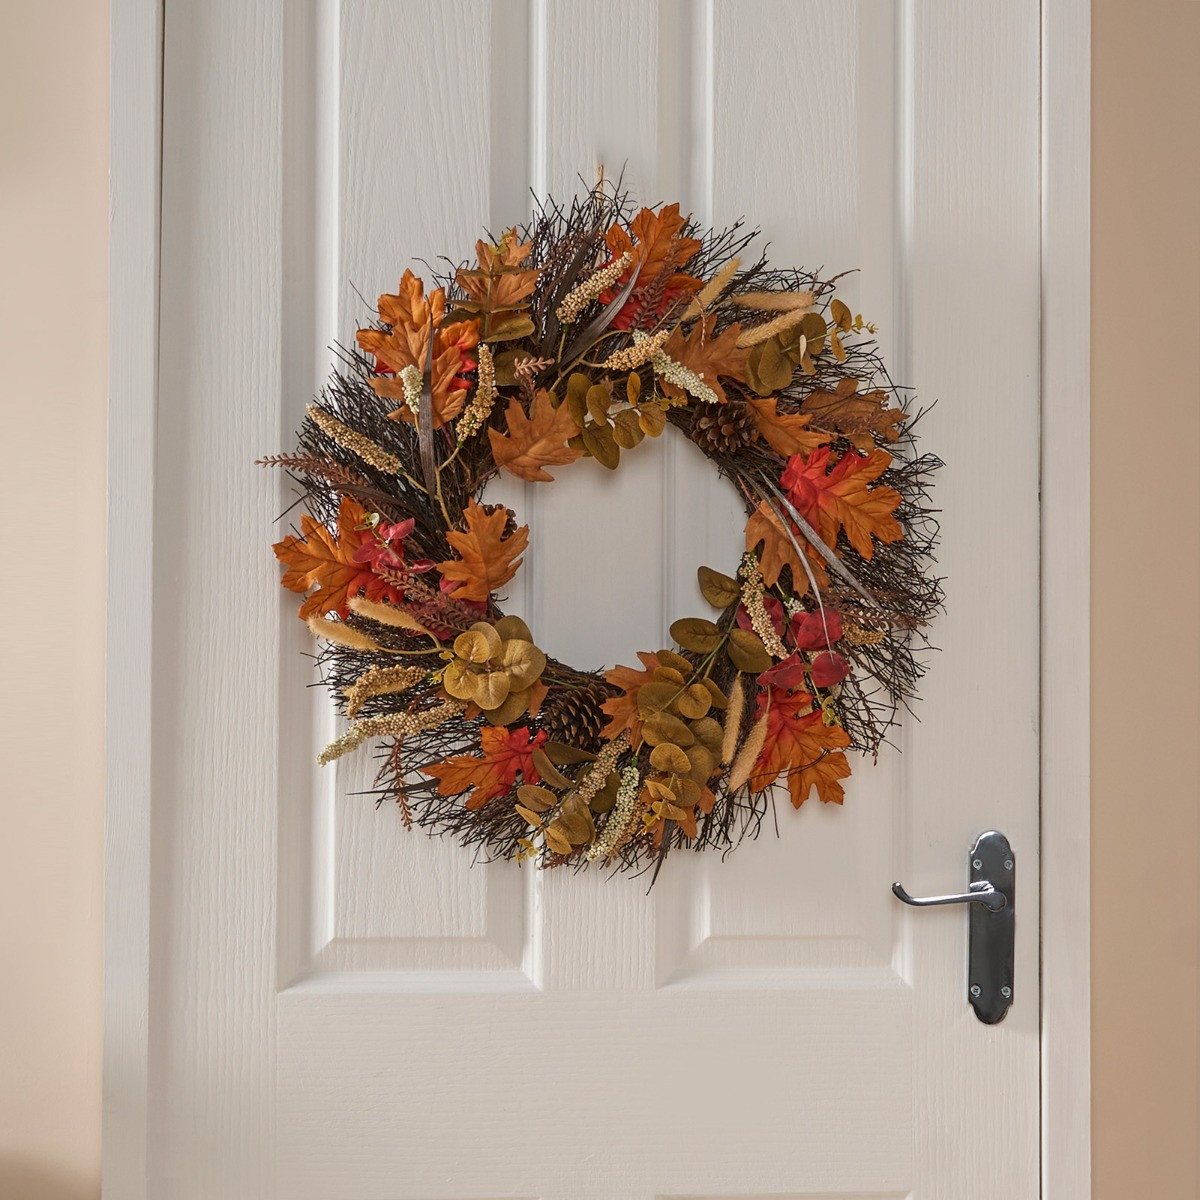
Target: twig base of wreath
[{"x": 596, "y": 327}]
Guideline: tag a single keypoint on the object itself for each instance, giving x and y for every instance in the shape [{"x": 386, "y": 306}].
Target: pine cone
[
  {"x": 723, "y": 428},
  {"x": 574, "y": 715}
]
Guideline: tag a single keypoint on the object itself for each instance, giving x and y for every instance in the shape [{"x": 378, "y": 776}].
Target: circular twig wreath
[{"x": 578, "y": 336}]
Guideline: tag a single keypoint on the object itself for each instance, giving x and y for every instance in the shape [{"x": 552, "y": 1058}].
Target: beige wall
[
  {"x": 1146, "y": 659},
  {"x": 53, "y": 272},
  {"x": 1146, "y": 603}
]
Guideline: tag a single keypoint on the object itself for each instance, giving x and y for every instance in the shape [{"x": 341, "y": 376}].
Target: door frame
[
  {"x": 135, "y": 113},
  {"x": 1066, "y": 1025}
]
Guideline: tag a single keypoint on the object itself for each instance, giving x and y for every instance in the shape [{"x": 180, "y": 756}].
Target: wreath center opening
[{"x": 612, "y": 555}]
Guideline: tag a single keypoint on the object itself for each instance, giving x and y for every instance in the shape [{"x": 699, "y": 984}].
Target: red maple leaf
[
  {"x": 506, "y": 753},
  {"x": 802, "y": 746},
  {"x": 382, "y": 548},
  {"x": 839, "y": 499}
]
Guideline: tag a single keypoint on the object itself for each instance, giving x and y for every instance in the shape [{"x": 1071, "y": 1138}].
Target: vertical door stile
[
  {"x": 975, "y": 305},
  {"x": 216, "y": 623}
]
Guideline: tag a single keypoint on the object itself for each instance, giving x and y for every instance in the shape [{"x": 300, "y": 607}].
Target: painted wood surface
[{"x": 339, "y": 1008}]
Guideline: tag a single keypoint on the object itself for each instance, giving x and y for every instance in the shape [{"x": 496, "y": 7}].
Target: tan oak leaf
[
  {"x": 856, "y": 416},
  {"x": 486, "y": 558},
  {"x": 785, "y": 433},
  {"x": 707, "y": 355},
  {"x": 766, "y": 529},
  {"x": 535, "y": 441}
]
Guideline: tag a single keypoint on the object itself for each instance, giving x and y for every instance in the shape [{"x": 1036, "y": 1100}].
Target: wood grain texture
[
  {"x": 362, "y": 894},
  {"x": 217, "y": 617},
  {"x": 973, "y": 757},
  {"x": 791, "y": 1107},
  {"x": 341, "y": 1008}
]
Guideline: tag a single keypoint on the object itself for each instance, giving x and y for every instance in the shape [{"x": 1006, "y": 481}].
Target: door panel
[{"x": 344, "y": 1007}]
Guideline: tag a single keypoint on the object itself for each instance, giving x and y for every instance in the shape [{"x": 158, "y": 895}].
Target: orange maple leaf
[
  {"x": 536, "y": 440},
  {"x": 801, "y": 744},
  {"x": 323, "y": 560},
  {"x": 506, "y": 752},
  {"x": 486, "y": 558},
  {"x": 498, "y": 284},
  {"x": 410, "y": 314},
  {"x": 839, "y": 498},
  {"x": 765, "y": 527},
  {"x": 707, "y": 355},
  {"x": 785, "y": 433},
  {"x": 622, "y": 710},
  {"x": 655, "y": 236},
  {"x": 655, "y": 248}
]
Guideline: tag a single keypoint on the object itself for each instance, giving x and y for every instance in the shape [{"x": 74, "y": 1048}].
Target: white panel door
[{"x": 344, "y": 1009}]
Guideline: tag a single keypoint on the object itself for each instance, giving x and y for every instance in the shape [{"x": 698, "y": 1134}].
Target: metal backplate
[{"x": 990, "y": 956}]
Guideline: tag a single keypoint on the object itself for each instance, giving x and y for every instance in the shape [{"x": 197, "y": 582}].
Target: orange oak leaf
[
  {"x": 707, "y": 355},
  {"x": 765, "y": 527},
  {"x": 410, "y": 314},
  {"x": 506, "y": 752},
  {"x": 486, "y": 558},
  {"x": 800, "y": 744},
  {"x": 536, "y": 440},
  {"x": 857, "y": 417},
  {"x": 839, "y": 499},
  {"x": 785, "y": 433},
  {"x": 622, "y": 710},
  {"x": 325, "y": 561}
]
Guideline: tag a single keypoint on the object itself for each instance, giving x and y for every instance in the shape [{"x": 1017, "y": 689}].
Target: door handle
[
  {"x": 991, "y": 895},
  {"x": 980, "y": 893}
]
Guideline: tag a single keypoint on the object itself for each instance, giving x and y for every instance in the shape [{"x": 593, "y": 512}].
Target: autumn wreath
[{"x": 578, "y": 336}]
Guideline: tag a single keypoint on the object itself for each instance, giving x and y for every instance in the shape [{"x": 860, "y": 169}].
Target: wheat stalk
[
  {"x": 775, "y": 301},
  {"x": 342, "y": 634},
  {"x": 733, "y": 718},
  {"x": 387, "y": 614},
  {"x": 760, "y": 333},
  {"x": 744, "y": 763}
]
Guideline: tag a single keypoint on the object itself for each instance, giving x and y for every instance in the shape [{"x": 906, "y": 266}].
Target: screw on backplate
[
  {"x": 975, "y": 990},
  {"x": 1008, "y": 864},
  {"x": 978, "y": 864},
  {"x": 1006, "y": 993}
]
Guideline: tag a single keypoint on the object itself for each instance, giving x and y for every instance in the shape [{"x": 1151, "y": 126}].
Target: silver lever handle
[
  {"x": 980, "y": 893},
  {"x": 991, "y": 900}
]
